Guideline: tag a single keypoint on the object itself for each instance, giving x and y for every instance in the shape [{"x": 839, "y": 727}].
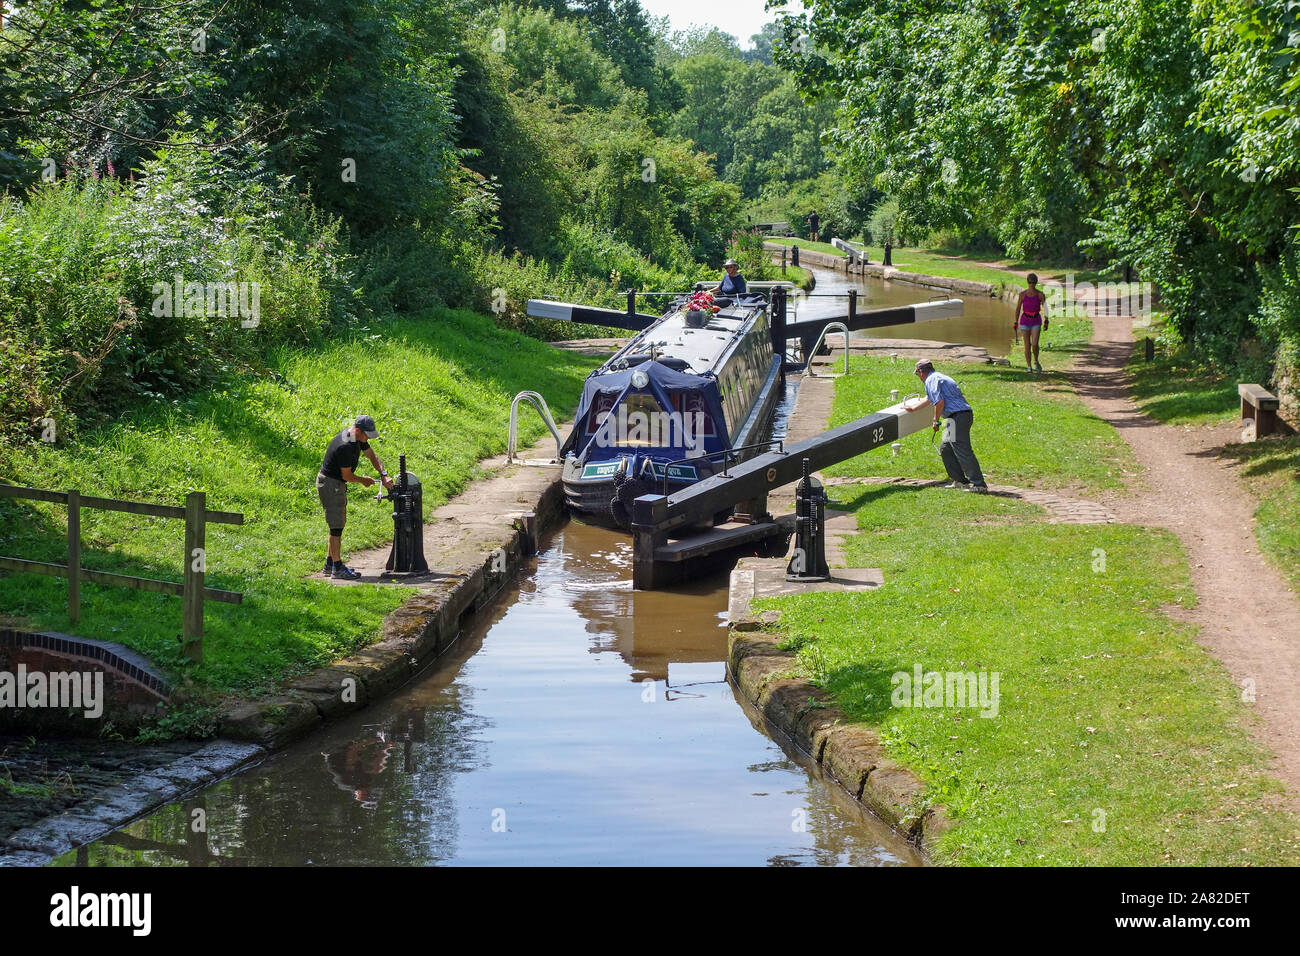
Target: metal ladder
[
  {"x": 538, "y": 403},
  {"x": 820, "y": 340}
]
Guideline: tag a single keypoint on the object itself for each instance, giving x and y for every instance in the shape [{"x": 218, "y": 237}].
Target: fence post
[
  {"x": 74, "y": 556},
  {"x": 195, "y": 565}
]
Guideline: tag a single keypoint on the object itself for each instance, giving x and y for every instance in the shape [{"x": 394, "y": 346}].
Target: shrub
[{"x": 89, "y": 318}]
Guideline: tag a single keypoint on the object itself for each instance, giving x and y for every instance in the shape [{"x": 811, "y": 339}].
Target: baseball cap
[
  {"x": 367, "y": 425},
  {"x": 923, "y": 363}
]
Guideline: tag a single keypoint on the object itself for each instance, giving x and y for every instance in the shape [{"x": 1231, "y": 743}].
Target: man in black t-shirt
[
  {"x": 814, "y": 226},
  {"x": 338, "y": 468}
]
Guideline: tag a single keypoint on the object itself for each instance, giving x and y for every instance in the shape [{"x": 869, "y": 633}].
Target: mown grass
[
  {"x": 808, "y": 244},
  {"x": 439, "y": 386},
  {"x": 1271, "y": 472},
  {"x": 1029, "y": 430},
  {"x": 1116, "y": 740},
  {"x": 800, "y": 277},
  {"x": 1177, "y": 388},
  {"x": 1045, "y": 269}
]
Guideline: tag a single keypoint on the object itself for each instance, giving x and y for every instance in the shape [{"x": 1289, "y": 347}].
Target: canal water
[
  {"x": 577, "y": 722},
  {"x": 985, "y": 322}
]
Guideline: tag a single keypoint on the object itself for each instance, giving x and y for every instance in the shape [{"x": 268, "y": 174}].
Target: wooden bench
[{"x": 1258, "y": 411}]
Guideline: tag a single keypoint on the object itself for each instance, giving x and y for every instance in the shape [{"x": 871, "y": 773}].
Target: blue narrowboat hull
[{"x": 727, "y": 404}]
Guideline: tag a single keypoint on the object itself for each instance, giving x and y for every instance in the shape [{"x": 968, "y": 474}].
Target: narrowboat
[{"x": 691, "y": 392}]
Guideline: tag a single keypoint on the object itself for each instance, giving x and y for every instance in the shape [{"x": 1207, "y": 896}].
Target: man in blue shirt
[
  {"x": 733, "y": 283},
  {"x": 958, "y": 458}
]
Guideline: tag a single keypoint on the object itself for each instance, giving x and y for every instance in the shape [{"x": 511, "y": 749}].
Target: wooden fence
[{"x": 193, "y": 592}]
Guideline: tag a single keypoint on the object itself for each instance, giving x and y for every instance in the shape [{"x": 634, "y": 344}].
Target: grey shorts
[{"x": 334, "y": 499}]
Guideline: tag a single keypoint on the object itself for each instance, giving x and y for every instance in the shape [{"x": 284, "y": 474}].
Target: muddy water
[
  {"x": 986, "y": 322},
  {"x": 579, "y": 722}
]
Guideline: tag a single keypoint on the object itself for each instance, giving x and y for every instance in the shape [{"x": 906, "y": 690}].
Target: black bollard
[
  {"x": 777, "y": 321},
  {"x": 889, "y": 261},
  {"x": 809, "y": 560},
  {"x": 794, "y": 256},
  {"x": 407, "y": 554}
]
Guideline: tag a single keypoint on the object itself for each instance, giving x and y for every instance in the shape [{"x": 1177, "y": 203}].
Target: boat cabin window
[
  {"x": 687, "y": 405},
  {"x": 639, "y": 422}
]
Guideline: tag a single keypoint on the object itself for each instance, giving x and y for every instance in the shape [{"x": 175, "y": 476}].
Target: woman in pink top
[{"x": 1031, "y": 319}]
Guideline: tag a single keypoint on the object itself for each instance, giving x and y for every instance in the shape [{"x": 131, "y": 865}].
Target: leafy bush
[
  {"x": 746, "y": 248},
  {"x": 89, "y": 271}
]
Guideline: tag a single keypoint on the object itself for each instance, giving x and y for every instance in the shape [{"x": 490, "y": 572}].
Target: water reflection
[
  {"x": 985, "y": 322},
  {"x": 578, "y": 723}
]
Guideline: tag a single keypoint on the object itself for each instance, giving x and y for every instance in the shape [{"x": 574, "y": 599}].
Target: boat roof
[{"x": 700, "y": 348}]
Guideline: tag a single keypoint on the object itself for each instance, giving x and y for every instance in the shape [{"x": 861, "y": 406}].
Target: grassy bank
[
  {"x": 1116, "y": 739},
  {"x": 439, "y": 386},
  {"x": 1029, "y": 430},
  {"x": 1179, "y": 388},
  {"x": 803, "y": 278},
  {"x": 1271, "y": 472}
]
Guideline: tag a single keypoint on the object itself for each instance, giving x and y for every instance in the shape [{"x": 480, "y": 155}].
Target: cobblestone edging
[
  {"x": 850, "y": 754},
  {"x": 115, "y": 807}
]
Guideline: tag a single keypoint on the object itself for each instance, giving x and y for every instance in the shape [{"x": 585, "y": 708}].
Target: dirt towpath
[{"x": 1248, "y": 619}]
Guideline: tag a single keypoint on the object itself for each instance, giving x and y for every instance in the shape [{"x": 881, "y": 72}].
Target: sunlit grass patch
[
  {"x": 1116, "y": 739},
  {"x": 439, "y": 387},
  {"x": 1271, "y": 470},
  {"x": 1179, "y": 389},
  {"x": 1028, "y": 430}
]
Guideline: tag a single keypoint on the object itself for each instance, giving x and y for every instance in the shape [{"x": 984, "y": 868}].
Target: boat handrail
[
  {"x": 821, "y": 339},
  {"x": 539, "y": 403}
]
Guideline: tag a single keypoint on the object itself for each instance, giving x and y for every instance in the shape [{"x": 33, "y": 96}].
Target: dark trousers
[{"x": 958, "y": 457}]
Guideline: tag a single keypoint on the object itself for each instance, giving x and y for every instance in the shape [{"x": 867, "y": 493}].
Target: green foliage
[
  {"x": 1160, "y": 133},
  {"x": 747, "y": 249},
  {"x": 353, "y": 159},
  {"x": 883, "y": 226},
  {"x": 1278, "y": 315},
  {"x": 255, "y": 443},
  {"x": 192, "y": 720},
  {"x": 87, "y": 271}
]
